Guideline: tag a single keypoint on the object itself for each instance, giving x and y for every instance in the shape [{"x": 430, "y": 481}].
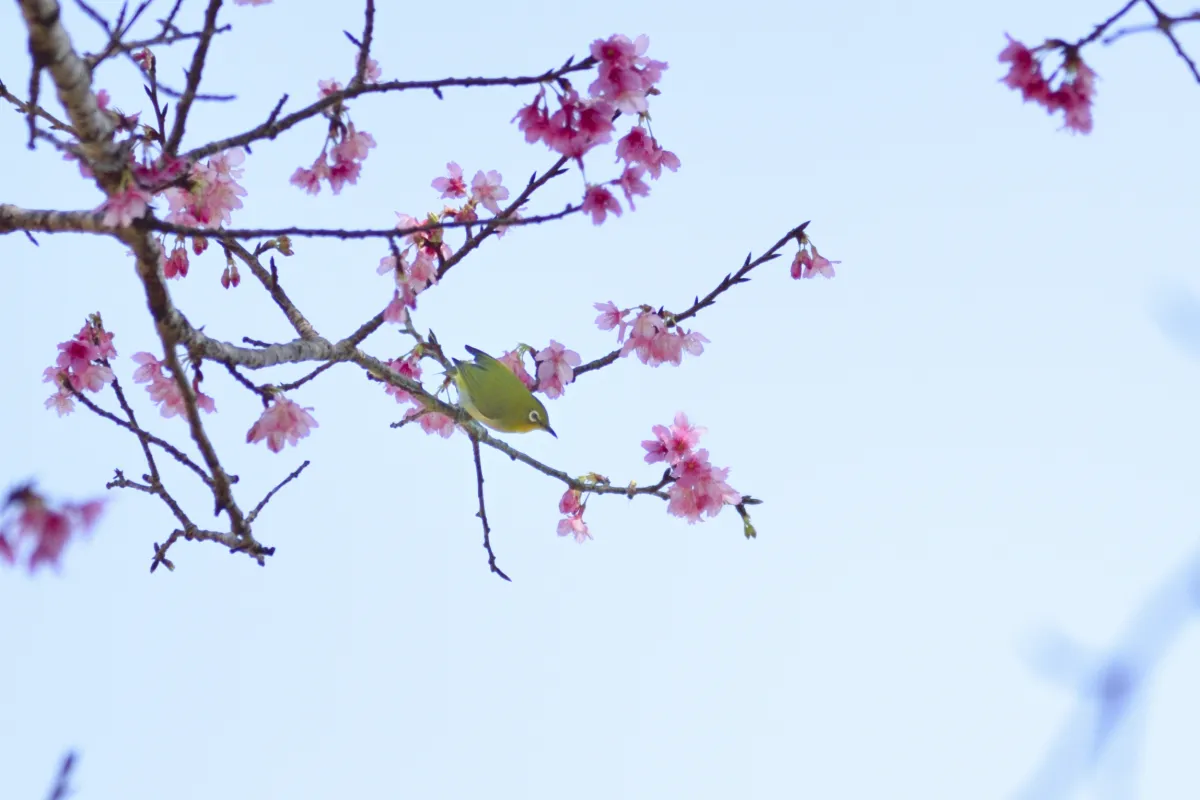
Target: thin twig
[
  {"x": 262, "y": 503},
  {"x": 482, "y": 514}
]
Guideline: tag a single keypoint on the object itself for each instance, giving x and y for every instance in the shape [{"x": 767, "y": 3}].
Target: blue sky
[{"x": 977, "y": 433}]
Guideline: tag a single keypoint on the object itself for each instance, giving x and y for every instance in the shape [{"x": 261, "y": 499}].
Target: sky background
[{"x": 976, "y": 434}]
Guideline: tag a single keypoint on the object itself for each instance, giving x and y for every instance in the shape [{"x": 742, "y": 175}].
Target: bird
[{"x": 492, "y": 394}]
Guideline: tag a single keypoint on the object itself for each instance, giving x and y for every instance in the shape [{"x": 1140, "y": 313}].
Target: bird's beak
[{"x": 550, "y": 431}]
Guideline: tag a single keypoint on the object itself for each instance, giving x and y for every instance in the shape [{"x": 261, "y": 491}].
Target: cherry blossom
[
  {"x": 31, "y": 525},
  {"x": 451, "y": 185},
  {"x": 282, "y": 422},
  {"x": 555, "y": 368},
  {"x": 598, "y": 202},
  {"x": 487, "y": 189}
]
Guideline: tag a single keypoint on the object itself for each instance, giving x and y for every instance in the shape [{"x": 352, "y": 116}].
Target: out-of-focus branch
[
  {"x": 61, "y": 789},
  {"x": 184, "y": 105}
]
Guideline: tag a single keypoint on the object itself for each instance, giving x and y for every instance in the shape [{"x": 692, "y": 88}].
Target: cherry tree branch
[
  {"x": 727, "y": 283},
  {"x": 184, "y": 106},
  {"x": 276, "y": 125}
]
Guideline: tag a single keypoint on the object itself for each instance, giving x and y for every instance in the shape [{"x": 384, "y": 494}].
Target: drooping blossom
[
  {"x": 598, "y": 201},
  {"x": 176, "y": 264},
  {"x": 33, "y": 530},
  {"x": 574, "y": 525},
  {"x": 555, "y": 368},
  {"x": 1075, "y": 91},
  {"x": 808, "y": 264},
  {"x": 163, "y": 389},
  {"x": 638, "y": 147},
  {"x": 284, "y": 421},
  {"x": 632, "y": 185},
  {"x": 433, "y": 422}
]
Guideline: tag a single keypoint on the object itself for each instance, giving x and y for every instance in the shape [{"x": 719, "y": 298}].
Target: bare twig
[
  {"x": 482, "y": 513},
  {"x": 61, "y": 789},
  {"x": 184, "y": 105},
  {"x": 262, "y": 503}
]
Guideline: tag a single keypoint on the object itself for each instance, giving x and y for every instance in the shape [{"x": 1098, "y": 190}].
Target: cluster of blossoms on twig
[
  {"x": 164, "y": 390},
  {"x": 345, "y": 147},
  {"x": 81, "y": 365},
  {"x": 697, "y": 486},
  {"x": 36, "y": 532},
  {"x": 1075, "y": 90},
  {"x": 625, "y": 79}
]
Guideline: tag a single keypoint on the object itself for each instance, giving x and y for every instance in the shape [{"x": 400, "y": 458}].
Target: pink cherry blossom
[
  {"x": 163, "y": 389},
  {"x": 395, "y": 312},
  {"x": 631, "y": 183},
  {"x": 354, "y": 145},
  {"x": 555, "y": 368},
  {"x": 672, "y": 444},
  {"x": 372, "y": 73},
  {"x": 811, "y": 264},
  {"x": 693, "y": 341},
  {"x": 534, "y": 119},
  {"x": 699, "y": 488},
  {"x": 626, "y": 76},
  {"x": 433, "y": 422},
  {"x": 125, "y": 206},
  {"x": 1073, "y": 96},
  {"x": 611, "y": 317},
  {"x": 574, "y": 526},
  {"x": 31, "y": 525},
  {"x": 513, "y": 360},
  {"x": 410, "y": 367},
  {"x": 453, "y": 184},
  {"x": 176, "y": 265},
  {"x": 639, "y": 147},
  {"x": 328, "y": 87},
  {"x": 569, "y": 504},
  {"x": 487, "y": 189},
  {"x": 282, "y": 422},
  {"x": 598, "y": 202},
  {"x": 578, "y": 125},
  {"x": 343, "y": 172}
]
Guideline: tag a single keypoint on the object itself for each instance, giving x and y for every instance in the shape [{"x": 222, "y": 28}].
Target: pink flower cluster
[
  {"x": 808, "y": 263},
  {"x": 426, "y": 249},
  {"x": 698, "y": 487},
  {"x": 626, "y": 77},
  {"x": 572, "y": 524},
  {"x": 41, "y": 530},
  {"x": 487, "y": 190},
  {"x": 345, "y": 147},
  {"x": 82, "y": 363},
  {"x": 209, "y": 195},
  {"x": 1074, "y": 93},
  {"x": 163, "y": 389},
  {"x": 283, "y": 422},
  {"x": 650, "y": 336}
]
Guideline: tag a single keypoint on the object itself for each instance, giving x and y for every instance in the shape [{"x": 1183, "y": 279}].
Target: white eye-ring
[{"x": 534, "y": 416}]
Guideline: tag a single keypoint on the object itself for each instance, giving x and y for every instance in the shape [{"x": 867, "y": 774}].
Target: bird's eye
[{"x": 534, "y": 416}]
